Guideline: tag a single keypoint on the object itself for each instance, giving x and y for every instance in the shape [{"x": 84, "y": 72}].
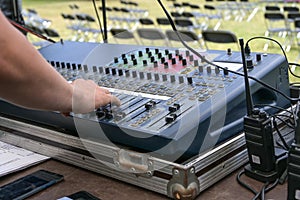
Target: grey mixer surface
[{"x": 173, "y": 104}]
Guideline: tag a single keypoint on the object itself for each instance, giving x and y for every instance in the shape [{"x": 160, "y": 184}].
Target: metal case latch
[
  {"x": 133, "y": 162},
  {"x": 184, "y": 184}
]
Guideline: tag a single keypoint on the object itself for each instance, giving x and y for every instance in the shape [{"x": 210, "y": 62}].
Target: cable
[
  {"x": 265, "y": 189},
  {"x": 28, "y": 30},
  {"x": 99, "y": 21},
  {"x": 215, "y": 65},
  {"x": 286, "y": 146},
  {"x": 238, "y": 178},
  {"x": 296, "y": 64}
]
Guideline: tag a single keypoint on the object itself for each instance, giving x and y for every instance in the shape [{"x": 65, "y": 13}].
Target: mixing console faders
[{"x": 171, "y": 100}]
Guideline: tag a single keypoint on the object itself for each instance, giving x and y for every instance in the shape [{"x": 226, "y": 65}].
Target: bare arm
[{"x": 28, "y": 80}]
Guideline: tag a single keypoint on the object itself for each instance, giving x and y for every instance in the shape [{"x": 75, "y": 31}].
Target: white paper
[{"x": 14, "y": 158}]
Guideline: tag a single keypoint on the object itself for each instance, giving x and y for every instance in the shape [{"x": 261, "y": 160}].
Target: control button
[
  {"x": 180, "y": 57},
  {"x": 184, "y": 62},
  {"x": 196, "y": 63},
  {"x": 172, "y": 78},
  {"x": 217, "y": 70},
  {"x": 159, "y": 55},
  {"x": 142, "y": 76},
  {"x": 187, "y": 53},
  {"x": 140, "y": 53},
  {"x": 181, "y": 79},
  {"x": 132, "y": 56},
  {"x": 166, "y": 65},
  {"x": 100, "y": 113},
  {"x": 156, "y": 76},
  {"x": 123, "y": 56},
  {"x": 173, "y": 61},
  {"x": 171, "y": 118},
  {"x": 200, "y": 68},
  {"x": 156, "y": 51},
  {"x": 147, "y": 50},
  {"x": 94, "y": 69},
  {"x": 134, "y": 62},
  {"x": 113, "y": 71},
  {"x": 208, "y": 69},
  {"x": 125, "y": 61},
  {"x": 120, "y": 72},
  {"x": 258, "y": 57},
  {"x": 127, "y": 73},
  {"x": 177, "y": 52},
  {"x": 164, "y": 77},
  {"x": 100, "y": 69},
  {"x": 145, "y": 63},
  {"x": 166, "y": 52},
  {"x": 225, "y": 71},
  {"x": 107, "y": 71},
  {"x": 163, "y": 60},
  {"x": 134, "y": 74},
  {"x": 149, "y": 76},
  {"x": 152, "y": 59},
  {"x": 191, "y": 58},
  {"x": 249, "y": 63},
  {"x": 149, "y": 54},
  {"x": 155, "y": 64},
  {"x": 170, "y": 56},
  {"x": 229, "y": 52},
  {"x": 190, "y": 80}
]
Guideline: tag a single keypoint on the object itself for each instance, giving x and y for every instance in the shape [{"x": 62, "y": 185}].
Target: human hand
[{"x": 87, "y": 96}]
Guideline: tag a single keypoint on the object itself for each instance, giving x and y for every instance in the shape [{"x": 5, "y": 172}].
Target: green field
[{"x": 256, "y": 27}]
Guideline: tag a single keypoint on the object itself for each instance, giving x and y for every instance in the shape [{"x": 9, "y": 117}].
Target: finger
[{"x": 115, "y": 101}]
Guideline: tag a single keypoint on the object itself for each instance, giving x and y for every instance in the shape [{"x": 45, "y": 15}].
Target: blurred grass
[{"x": 256, "y": 27}]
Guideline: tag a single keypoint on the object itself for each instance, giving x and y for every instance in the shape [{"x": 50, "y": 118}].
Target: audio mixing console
[{"x": 173, "y": 102}]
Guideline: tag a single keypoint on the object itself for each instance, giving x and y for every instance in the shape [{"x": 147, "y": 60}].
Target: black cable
[
  {"x": 98, "y": 19},
  {"x": 238, "y": 178},
  {"x": 261, "y": 193},
  {"x": 215, "y": 65},
  {"x": 286, "y": 146},
  {"x": 296, "y": 64}
]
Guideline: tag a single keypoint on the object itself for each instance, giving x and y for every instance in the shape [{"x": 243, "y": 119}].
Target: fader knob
[
  {"x": 150, "y": 105},
  {"x": 171, "y": 118}
]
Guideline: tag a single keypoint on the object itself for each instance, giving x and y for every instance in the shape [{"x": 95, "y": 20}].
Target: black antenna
[{"x": 246, "y": 78}]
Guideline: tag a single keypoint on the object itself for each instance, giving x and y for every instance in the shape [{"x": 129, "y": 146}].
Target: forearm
[{"x": 26, "y": 78}]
